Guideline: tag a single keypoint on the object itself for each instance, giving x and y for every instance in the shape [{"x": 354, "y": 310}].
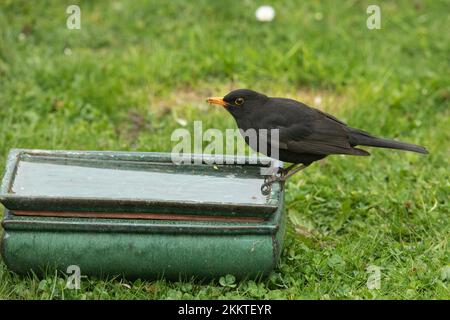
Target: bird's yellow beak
[{"x": 217, "y": 100}]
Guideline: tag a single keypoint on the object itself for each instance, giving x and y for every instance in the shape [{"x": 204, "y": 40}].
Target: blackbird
[{"x": 305, "y": 134}]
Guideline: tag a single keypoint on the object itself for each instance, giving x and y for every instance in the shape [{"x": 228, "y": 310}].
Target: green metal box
[{"x": 139, "y": 215}]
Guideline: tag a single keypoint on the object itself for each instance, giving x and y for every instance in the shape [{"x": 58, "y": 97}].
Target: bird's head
[{"x": 240, "y": 101}]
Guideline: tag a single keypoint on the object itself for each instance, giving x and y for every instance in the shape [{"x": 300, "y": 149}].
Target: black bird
[{"x": 305, "y": 134}]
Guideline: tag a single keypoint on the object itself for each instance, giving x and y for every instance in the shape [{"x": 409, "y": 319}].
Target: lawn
[{"x": 135, "y": 72}]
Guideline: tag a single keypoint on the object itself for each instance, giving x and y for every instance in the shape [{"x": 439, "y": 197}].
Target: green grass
[{"x": 121, "y": 81}]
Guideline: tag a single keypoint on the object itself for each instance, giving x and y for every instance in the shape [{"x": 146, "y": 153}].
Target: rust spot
[{"x": 124, "y": 215}]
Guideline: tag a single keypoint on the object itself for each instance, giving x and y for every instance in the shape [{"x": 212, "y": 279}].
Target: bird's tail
[{"x": 358, "y": 137}]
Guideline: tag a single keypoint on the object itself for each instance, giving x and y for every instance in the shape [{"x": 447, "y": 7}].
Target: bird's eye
[{"x": 239, "y": 101}]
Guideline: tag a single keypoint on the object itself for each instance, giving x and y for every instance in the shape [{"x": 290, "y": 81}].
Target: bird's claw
[{"x": 266, "y": 187}]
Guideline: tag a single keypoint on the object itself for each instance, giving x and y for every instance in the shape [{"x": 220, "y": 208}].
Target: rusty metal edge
[{"x": 26, "y": 223}]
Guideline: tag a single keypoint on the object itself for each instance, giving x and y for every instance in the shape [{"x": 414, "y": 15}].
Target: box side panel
[
  {"x": 127, "y": 206},
  {"x": 140, "y": 255},
  {"x": 278, "y": 237},
  {"x": 9, "y": 172}
]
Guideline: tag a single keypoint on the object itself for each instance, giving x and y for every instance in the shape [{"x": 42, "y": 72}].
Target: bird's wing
[
  {"x": 326, "y": 137},
  {"x": 311, "y": 131}
]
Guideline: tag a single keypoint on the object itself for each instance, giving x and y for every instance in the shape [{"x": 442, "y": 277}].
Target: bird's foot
[{"x": 266, "y": 187}]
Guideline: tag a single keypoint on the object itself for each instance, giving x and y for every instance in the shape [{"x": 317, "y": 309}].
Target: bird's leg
[
  {"x": 285, "y": 173},
  {"x": 290, "y": 171},
  {"x": 269, "y": 180}
]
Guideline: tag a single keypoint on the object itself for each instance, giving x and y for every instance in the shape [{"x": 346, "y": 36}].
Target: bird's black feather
[{"x": 305, "y": 134}]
